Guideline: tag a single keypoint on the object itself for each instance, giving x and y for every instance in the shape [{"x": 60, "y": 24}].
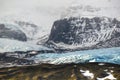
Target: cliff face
[
  {"x": 96, "y": 32},
  {"x": 11, "y": 32}
]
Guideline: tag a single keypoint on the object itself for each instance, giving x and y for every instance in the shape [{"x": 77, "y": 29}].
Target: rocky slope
[
  {"x": 12, "y": 32},
  {"x": 85, "y": 33},
  {"x": 86, "y": 71}
]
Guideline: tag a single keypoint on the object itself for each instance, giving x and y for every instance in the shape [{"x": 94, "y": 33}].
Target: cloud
[{"x": 42, "y": 10}]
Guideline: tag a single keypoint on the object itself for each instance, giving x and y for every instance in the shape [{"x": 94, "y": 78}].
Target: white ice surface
[{"x": 7, "y": 45}]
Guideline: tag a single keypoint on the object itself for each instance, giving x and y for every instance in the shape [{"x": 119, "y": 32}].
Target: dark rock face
[
  {"x": 61, "y": 31},
  {"x": 96, "y": 32},
  {"x": 30, "y": 29},
  {"x": 7, "y": 32}
]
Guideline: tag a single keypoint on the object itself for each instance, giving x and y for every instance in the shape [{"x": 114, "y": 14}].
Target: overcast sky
[
  {"x": 47, "y": 9},
  {"x": 17, "y": 5},
  {"x": 20, "y": 4}
]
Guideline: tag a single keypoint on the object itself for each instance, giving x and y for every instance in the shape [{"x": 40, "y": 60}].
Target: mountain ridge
[{"x": 84, "y": 32}]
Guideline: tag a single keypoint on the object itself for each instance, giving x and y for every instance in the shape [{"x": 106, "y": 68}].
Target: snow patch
[
  {"x": 110, "y": 77},
  {"x": 87, "y": 74},
  {"x": 101, "y": 64}
]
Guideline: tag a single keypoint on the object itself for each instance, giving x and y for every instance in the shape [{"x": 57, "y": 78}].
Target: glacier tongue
[
  {"x": 7, "y": 45},
  {"x": 107, "y": 55}
]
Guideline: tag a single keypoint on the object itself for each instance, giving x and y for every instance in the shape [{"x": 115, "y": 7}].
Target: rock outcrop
[
  {"x": 85, "y": 33},
  {"x": 11, "y": 32}
]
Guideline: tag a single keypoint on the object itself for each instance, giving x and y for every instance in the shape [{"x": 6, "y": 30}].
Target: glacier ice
[
  {"x": 107, "y": 55},
  {"x": 8, "y": 45}
]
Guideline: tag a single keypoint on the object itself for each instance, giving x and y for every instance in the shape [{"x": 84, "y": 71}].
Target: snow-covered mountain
[
  {"x": 12, "y": 32},
  {"x": 84, "y": 36},
  {"x": 97, "y": 32},
  {"x": 93, "y": 24},
  {"x": 36, "y": 20},
  {"x": 31, "y": 32},
  {"x": 36, "y": 13},
  {"x": 31, "y": 17}
]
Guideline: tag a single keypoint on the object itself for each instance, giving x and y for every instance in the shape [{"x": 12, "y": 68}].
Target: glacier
[
  {"x": 9, "y": 45},
  {"x": 106, "y": 55},
  {"x": 43, "y": 17}
]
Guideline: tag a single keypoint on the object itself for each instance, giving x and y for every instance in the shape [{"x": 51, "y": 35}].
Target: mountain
[
  {"x": 83, "y": 32},
  {"x": 32, "y": 33},
  {"x": 29, "y": 29},
  {"x": 12, "y": 32},
  {"x": 37, "y": 13},
  {"x": 87, "y": 25}
]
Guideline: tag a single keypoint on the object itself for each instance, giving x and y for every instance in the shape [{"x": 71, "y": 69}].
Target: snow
[
  {"x": 94, "y": 37},
  {"x": 40, "y": 12},
  {"x": 110, "y": 77},
  {"x": 101, "y": 64},
  {"x": 33, "y": 11},
  {"x": 74, "y": 46},
  {"x": 107, "y": 55},
  {"x": 43, "y": 13},
  {"x": 106, "y": 70},
  {"x": 7, "y": 45},
  {"x": 87, "y": 74},
  {"x": 111, "y": 71},
  {"x": 32, "y": 31},
  {"x": 12, "y": 27}
]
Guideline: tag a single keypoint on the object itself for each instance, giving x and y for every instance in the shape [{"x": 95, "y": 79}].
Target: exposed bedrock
[
  {"x": 85, "y": 33},
  {"x": 11, "y": 32}
]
